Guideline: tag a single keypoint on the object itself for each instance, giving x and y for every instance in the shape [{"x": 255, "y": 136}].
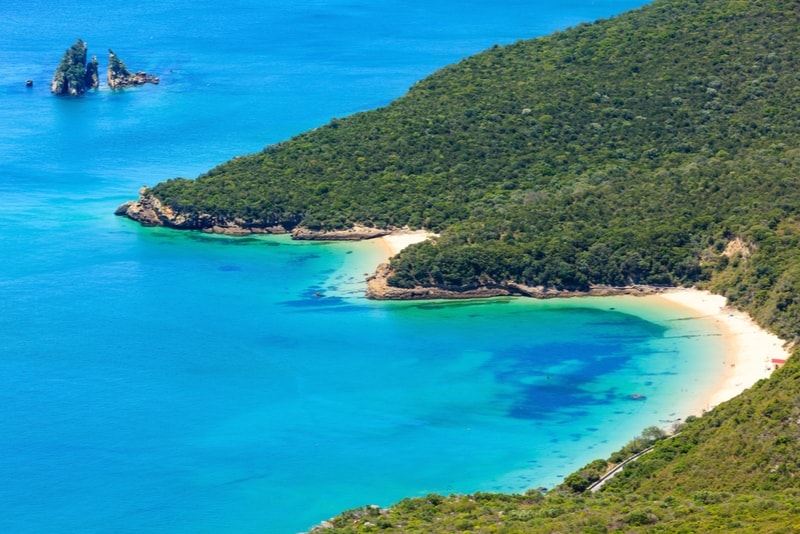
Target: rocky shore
[
  {"x": 356, "y": 233},
  {"x": 148, "y": 210},
  {"x": 379, "y": 289}
]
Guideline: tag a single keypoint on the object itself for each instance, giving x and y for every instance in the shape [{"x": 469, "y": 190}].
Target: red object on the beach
[{"x": 778, "y": 361}]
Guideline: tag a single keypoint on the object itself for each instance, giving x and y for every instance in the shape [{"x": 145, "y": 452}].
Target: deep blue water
[{"x": 153, "y": 380}]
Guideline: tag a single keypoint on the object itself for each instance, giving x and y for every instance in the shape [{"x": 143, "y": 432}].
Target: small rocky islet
[{"x": 74, "y": 75}]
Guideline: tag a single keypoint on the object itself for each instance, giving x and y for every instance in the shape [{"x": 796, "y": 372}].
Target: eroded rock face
[
  {"x": 148, "y": 211},
  {"x": 356, "y": 233},
  {"x": 119, "y": 76},
  {"x": 92, "y": 78}
]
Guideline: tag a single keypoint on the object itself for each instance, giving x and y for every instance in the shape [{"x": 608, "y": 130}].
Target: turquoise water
[{"x": 153, "y": 380}]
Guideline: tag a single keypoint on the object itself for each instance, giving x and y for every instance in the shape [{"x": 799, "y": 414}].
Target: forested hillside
[{"x": 632, "y": 150}]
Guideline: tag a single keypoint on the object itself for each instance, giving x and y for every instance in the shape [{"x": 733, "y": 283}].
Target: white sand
[
  {"x": 752, "y": 348},
  {"x": 400, "y": 239}
]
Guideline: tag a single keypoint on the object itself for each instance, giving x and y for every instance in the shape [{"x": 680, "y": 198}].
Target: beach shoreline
[{"x": 749, "y": 349}]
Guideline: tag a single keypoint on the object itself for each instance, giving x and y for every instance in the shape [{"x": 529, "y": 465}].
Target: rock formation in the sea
[
  {"x": 72, "y": 77},
  {"x": 119, "y": 76},
  {"x": 92, "y": 74}
]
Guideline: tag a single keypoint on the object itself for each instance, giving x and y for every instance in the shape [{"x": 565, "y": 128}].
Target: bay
[{"x": 153, "y": 380}]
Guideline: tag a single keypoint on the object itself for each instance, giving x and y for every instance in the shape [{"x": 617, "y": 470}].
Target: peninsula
[{"x": 626, "y": 153}]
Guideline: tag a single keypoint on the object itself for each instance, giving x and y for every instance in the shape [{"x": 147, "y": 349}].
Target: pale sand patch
[
  {"x": 400, "y": 239},
  {"x": 751, "y": 347}
]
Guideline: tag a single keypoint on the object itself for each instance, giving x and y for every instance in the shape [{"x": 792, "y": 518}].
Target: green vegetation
[{"x": 659, "y": 147}]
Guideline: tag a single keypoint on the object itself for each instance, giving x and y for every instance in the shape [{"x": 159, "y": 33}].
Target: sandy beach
[
  {"x": 397, "y": 241},
  {"x": 751, "y": 347}
]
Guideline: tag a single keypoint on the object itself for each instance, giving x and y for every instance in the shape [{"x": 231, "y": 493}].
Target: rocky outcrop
[
  {"x": 119, "y": 76},
  {"x": 92, "y": 77},
  {"x": 378, "y": 288},
  {"x": 73, "y": 76},
  {"x": 148, "y": 210},
  {"x": 356, "y": 233}
]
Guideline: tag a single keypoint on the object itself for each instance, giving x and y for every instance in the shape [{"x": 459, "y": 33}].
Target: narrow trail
[{"x": 599, "y": 483}]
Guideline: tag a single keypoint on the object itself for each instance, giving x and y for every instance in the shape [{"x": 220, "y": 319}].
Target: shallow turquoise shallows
[{"x": 159, "y": 381}]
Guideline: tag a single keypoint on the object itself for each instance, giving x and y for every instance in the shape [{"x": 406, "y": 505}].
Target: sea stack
[
  {"x": 119, "y": 76},
  {"x": 72, "y": 76},
  {"x": 92, "y": 77}
]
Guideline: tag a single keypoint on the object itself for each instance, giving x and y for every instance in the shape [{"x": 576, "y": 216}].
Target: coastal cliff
[{"x": 92, "y": 76}]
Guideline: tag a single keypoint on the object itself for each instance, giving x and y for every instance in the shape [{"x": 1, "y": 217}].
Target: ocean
[{"x": 161, "y": 381}]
